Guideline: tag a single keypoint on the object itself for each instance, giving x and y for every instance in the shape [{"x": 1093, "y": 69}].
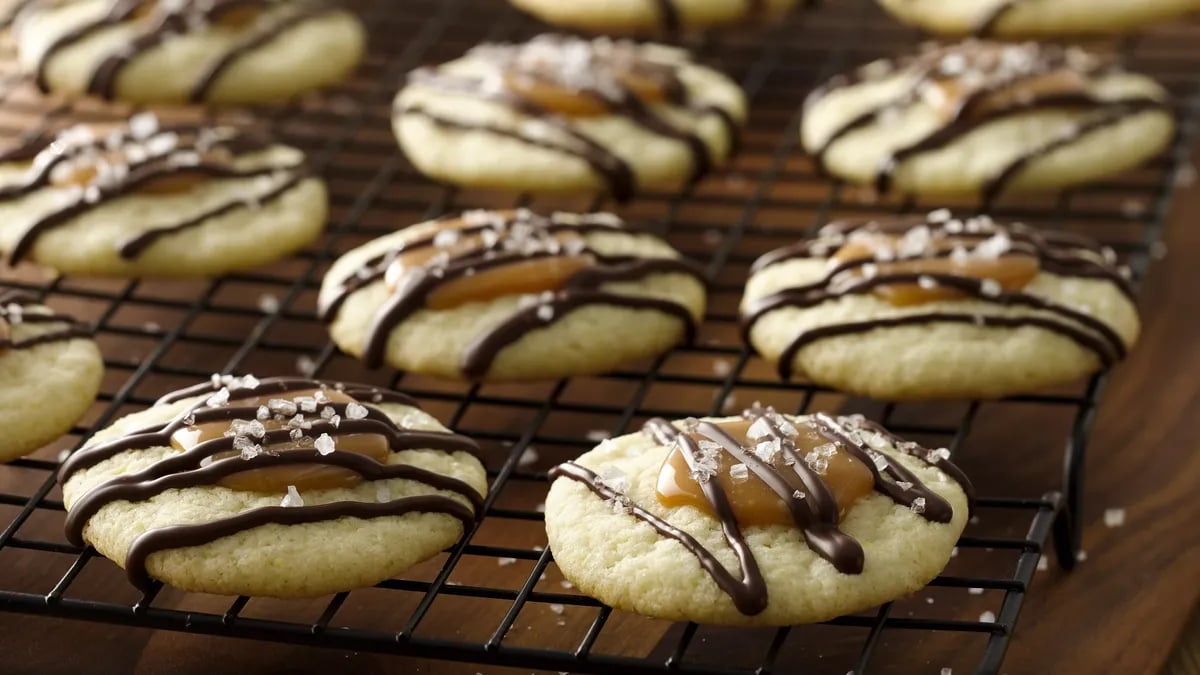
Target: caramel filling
[
  {"x": 580, "y": 103},
  {"x": 521, "y": 277},
  {"x": 179, "y": 181},
  {"x": 949, "y": 95},
  {"x": 277, "y": 479},
  {"x": 752, "y": 501},
  {"x": 1012, "y": 272}
]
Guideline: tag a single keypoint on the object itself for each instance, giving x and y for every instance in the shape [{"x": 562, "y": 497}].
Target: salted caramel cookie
[
  {"x": 219, "y": 51},
  {"x": 146, "y": 199},
  {"x": 512, "y": 295},
  {"x": 983, "y": 118},
  {"x": 566, "y": 114},
  {"x": 50, "y": 372},
  {"x": 936, "y": 307},
  {"x": 645, "y": 16},
  {"x": 1030, "y": 18},
  {"x": 763, "y": 519},
  {"x": 279, "y": 487}
]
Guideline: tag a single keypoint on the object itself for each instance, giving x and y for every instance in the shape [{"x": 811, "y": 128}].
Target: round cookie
[
  {"x": 1030, "y": 18},
  {"x": 759, "y": 520},
  {"x": 146, "y": 199},
  {"x": 50, "y": 372},
  {"x": 936, "y": 307},
  {"x": 644, "y": 16},
  {"x": 564, "y": 114},
  {"x": 221, "y": 51},
  {"x": 280, "y": 487},
  {"x": 512, "y": 296},
  {"x": 983, "y": 118}
]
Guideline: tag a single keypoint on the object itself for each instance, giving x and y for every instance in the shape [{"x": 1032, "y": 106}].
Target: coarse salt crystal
[
  {"x": 528, "y": 456},
  {"x": 819, "y": 465},
  {"x": 305, "y": 365},
  {"x": 143, "y": 125},
  {"x": 1081, "y": 556},
  {"x": 722, "y": 367},
  {"x": 1043, "y": 564},
  {"x": 218, "y": 399},
  {"x": 938, "y": 455},
  {"x": 929, "y": 601},
  {"x": 993, "y": 247},
  {"x": 798, "y": 494},
  {"x": 307, "y": 404},
  {"x": 1114, "y": 517},
  {"x": 768, "y": 449},
  {"x": 939, "y": 216},
  {"x": 356, "y": 411},
  {"x": 566, "y": 584},
  {"x": 947, "y": 671},
  {"x": 325, "y": 444},
  {"x": 597, "y": 435},
  {"x": 880, "y": 461},
  {"x": 383, "y": 493},
  {"x": 505, "y": 562},
  {"x": 446, "y": 238},
  {"x": 545, "y": 312},
  {"x": 904, "y": 485},
  {"x": 557, "y": 608},
  {"x": 327, "y": 413},
  {"x": 975, "y": 591},
  {"x": 990, "y": 288},
  {"x": 263, "y": 413},
  {"x": 268, "y": 304},
  {"x": 926, "y": 282},
  {"x": 282, "y": 406},
  {"x": 987, "y": 617},
  {"x": 739, "y": 473},
  {"x": 292, "y": 499},
  {"x": 918, "y": 505}
]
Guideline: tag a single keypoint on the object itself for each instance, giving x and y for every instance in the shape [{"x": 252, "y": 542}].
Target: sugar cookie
[
  {"x": 763, "y": 519},
  {"x": 1029, "y": 18},
  {"x": 934, "y": 307},
  {"x": 644, "y": 16},
  {"x": 512, "y": 296},
  {"x": 280, "y": 487},
  {"x": 562, "y": 114}
]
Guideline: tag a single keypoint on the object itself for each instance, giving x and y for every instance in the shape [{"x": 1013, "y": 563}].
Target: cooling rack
[{"x": 497, "y": 598}]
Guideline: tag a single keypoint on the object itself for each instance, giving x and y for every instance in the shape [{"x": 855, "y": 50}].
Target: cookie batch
[{"x": 762, "y": 518}]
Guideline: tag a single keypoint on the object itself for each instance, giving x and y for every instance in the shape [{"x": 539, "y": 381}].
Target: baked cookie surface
[
  {"x": 1029, "y": 18},
  {"x": 644, "y": 16},
  {"x": 759, "y": 520},
  {"x": 564, "y": 114},
  {"x": 984, "y": 118},
  {"x": 151, "y": 199},
  {"x": 512, "y": 295},
  {"x": 50, "y": 372},
  {"x": 220, "y": 51},
  {"x": 937, "y": 307},
  {"x": 280, "y": 487}
]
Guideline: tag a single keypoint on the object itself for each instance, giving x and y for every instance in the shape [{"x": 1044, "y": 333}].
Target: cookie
[
  {"x": 146, "y": 199},
  {"x": 220, "y": 51},
  {"x": 983, "y": 118},
  {"x": 565, "y": 114},
  {"x": 763, "y": 519},
  {"x": 644, "y": 16},
  {"x": 1029, "y": 18},
  {"x": 937, "y": 307},
  {"x": 512, "y": 295},
  {"x": 280, "y": 487},
  {"x": 50, "y": 372}
]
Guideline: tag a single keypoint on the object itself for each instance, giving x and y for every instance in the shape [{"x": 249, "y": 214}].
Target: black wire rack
[{"x": 496, "y": 598}]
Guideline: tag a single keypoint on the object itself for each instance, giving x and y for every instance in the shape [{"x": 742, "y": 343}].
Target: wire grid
[{"x": 496, "y": 597}]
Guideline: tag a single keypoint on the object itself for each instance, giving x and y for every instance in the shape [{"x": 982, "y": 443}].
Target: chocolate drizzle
[
  {"x": 163, "y": 24},
  {"x": 130, "y": 159},
  {"x": 1057, "y": 253},
  {"x": 17, "y": 308},
  {"x": 615, "y": 95},
  {"x": 202, "y": 465},
  {"x": 815, "y": 513},
  {"x": 1020, "y": 65},
  {"x": 517, "y": 238}
]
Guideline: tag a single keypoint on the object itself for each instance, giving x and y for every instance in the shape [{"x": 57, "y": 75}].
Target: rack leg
[{"x": 1068, "y": 527}]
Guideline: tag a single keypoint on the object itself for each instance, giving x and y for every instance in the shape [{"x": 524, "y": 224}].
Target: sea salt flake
[
  {"x": 939, "y": 216},
  {"x": 990, "y": 288},
  {"x": 528, "y": 456},
  {"x": 975, "y": 591},
  {"x": 307, "y": 404},
  {"x": 305, "y": 365},
  {"x": 904, "y": 485},
  {"x": 937, "y": 455},
  {"x": 926, "y": 282},
  {"x": 296, "y": 434},
  {"x": 817, "y": 464},
  {"x": 218, "y": 399},
  {"x": 557, "y": 608},
  {"x": 383, "y": 493},
  {"x": 505, "y": 562},
  {"x": 946, "y": 671},
  {"x": 918, "y": 505},
  {"x": 143, "y": 125},
  {"x": 282, "y": 406},
  {"x": 566, "y": 584},
  {"x": 760, "y": 429},
  {"x": 263, "y": 413},
  {"x": 256, "y": 429},
  {"x": 987, "y": 617},
  {"x": 268, "y": 304},
  {"x": 356, "y": 411},
  {"x": 1114, "y": 517},
  {"x": 1043, "y": 563},
  {"x": 188, "y": 419},
  {"x": 767, "y": 450},
  {"x": 1081, "y": 556},
  {"x": 325, "y": 444},
  {"x": 292, "y": 499},
  {"x": 798, "y": 494},
  {"x": 597, "y": 435},
  {"x": 545, "y": 313},
  {"x": 739, "y": 473},
  {"x": 722, "y": 367}
]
